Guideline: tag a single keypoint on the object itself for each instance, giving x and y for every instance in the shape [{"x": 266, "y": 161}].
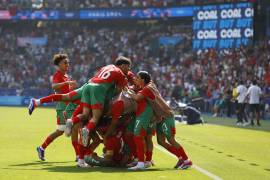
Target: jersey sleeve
[
  {"x": 121, "y": 80},
  {"x": 56, "y": 78}
]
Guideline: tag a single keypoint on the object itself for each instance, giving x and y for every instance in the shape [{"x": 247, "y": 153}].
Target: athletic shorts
[
  {"x": 167, "y": 127},
  {"x": 60, "y": 117},
  {"x": 143, "y": 120},
  {"x": 254, "y": 108},
  {"x": 151, "y": 130},
  {"x": 94, "y": 95},
  {"x": 70, "y": 109},
  {"x": 76, "y": 94}
]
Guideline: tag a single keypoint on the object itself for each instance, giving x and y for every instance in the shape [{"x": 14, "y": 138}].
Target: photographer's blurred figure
[{"x": 193, "y": 115}]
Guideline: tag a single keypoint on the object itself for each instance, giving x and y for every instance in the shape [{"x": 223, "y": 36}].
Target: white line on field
[{"x": 207, "y": 173}]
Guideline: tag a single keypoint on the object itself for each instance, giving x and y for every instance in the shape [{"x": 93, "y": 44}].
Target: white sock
[
  {"x": 140, "y": 164},
  {"x": 80, "y": 161},
  {"x": 37, "y": 101}
]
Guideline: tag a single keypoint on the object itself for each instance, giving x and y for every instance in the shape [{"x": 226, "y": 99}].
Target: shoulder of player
[{"x": 57, "y": 74}]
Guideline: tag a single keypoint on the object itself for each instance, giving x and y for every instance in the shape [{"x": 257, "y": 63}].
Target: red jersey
[
  {"x": 147, "y": 93},
  {"x": 110, "y": 75},
  {"x": 59, "y": 77},
  {"x": 130, "y": 77},
  {"x": 115, "y": 144}
]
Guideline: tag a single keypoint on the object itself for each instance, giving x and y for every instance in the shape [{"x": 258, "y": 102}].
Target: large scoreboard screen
[{"x": 222, "y": 26}]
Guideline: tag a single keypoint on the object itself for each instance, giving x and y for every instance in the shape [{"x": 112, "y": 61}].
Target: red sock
[
  {"x": 128, "y": 139},
  {"x": 148, "y": 155},
  {"x": 81, "y": 150},
  {"x": 77, "y": 111},
  {"x": 178, "y": 152},
  {"x": 182, "y": 153},
  {"x": 75, "y": 119},
  {"x": 90, "y": 126},
  {"x": 140, "y": 148},
  {"x": 47, "y": 142},
  {"x": 88, "y": 151},
  {"x": 75, "y": 146},
  {"x": 51, "y": 98}
]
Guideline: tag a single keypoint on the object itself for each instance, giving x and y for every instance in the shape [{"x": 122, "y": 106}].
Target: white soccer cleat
[
  {"x": 139, "y": 166},
  {"x": 68, "y": 128},
  {"x": 133, "y": 163},
  {"x": 81, "y": 163},
  {"x": 148, "y": 164}
]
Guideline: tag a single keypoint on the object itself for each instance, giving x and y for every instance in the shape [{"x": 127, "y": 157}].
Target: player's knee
[{"x": 161, "y": 142}]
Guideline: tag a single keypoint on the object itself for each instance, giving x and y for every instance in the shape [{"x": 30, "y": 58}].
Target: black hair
[
  {"x": 145, "y": 76},
  {"x": 241, "y": 82},
  {"x": 122, "y": 60},
  {"x": 254, "y": 82},
  {"x": 57, "y": 58}
]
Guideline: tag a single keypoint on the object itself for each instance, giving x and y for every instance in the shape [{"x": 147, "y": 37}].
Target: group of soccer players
[{"x": 115, "y": 108}]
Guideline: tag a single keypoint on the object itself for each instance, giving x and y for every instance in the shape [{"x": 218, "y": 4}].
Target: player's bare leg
[{"x": 49, "y": 140}]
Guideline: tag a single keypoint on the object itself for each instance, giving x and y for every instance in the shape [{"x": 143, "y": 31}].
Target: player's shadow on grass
[
  {"x": 38, "y": 163},
  {"x": 74, "y": 169}
]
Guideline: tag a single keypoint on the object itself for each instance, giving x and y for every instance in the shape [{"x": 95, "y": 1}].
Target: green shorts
[
  {"x": 77, "y": 93},
  {"x": 60, "y": 117},
  {"x": 167, "y": 127},
  {"x": 131, "y": 124},
  {"x": 151, "y": 129},
  {"x": 60, "y": 108},
  {"x": 70, "y": 109},
  {"x": 94, "y": 95},
  {"x": 143, "y": 120}
]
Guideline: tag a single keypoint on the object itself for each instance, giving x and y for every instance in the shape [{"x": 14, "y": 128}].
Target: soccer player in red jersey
[
  {"x": 61, "y": 83},
  {"x": 164, "y": 118},
  {"x": 144, "y": 115},
  {"x": 109, "y": 79}
]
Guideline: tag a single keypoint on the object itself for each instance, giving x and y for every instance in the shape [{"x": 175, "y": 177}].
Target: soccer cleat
[
  {"x": 148, "y": 164},
  {"x": 133, "y": 163},
  {"x": 138, "y": 167},
  {"x": 82, "y": 164},
  {"x": 186, "y": 164},
  {"x": 41, "y": 153},
  {"x": 239, "y": 124},
  {"x": 91, "y": 161},
  {"x": 179, "y": 163},
  {"x": 68, "y": 128},
  {"x": 85, "y": 136},
  {"x": 31, "y": 106},
  {"x": 246, "y": 123}
]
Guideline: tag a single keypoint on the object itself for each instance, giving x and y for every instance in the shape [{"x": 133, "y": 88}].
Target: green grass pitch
[{"x": 218, "y": 147}]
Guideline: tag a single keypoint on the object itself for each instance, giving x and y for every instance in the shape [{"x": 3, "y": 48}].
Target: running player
[{"x": 61, "y": 83}]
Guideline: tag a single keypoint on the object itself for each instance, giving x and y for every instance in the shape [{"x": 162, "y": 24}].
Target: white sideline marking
[{"x": 207, "y": 173}]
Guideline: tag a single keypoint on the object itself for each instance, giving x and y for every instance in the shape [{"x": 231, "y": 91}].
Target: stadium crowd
[{"x": 84, "y": 4}]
